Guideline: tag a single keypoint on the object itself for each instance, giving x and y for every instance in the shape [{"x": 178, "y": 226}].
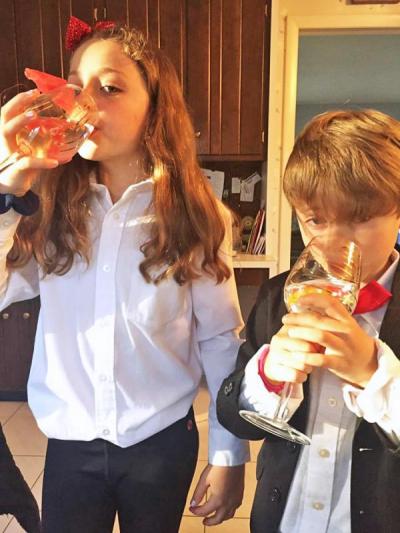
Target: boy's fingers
[
  {"x": 324, "y": 305},
  {"x": 315, "y": 320}
]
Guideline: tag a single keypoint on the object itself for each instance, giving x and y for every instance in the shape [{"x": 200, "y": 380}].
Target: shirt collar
[{"x": 374, "y": 318}]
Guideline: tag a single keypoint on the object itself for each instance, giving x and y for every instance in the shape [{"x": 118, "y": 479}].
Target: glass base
[{"x": 276, "y": 427}]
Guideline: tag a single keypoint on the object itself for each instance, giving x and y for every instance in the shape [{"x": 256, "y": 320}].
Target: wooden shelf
[{"x": 255, "y": 261}]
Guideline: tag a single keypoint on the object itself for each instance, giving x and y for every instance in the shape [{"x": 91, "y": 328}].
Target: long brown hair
[
  {"x": 347, "y": 162},
  {"x": 189, "y": 226}
]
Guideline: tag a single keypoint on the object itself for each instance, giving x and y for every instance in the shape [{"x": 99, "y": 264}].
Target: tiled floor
[{"x": 28, "y": 447}]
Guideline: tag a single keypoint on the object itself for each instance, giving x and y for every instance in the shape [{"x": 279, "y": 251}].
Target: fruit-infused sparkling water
[{"x": 345, "y": 291}]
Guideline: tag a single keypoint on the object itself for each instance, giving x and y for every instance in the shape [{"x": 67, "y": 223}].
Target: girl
[{"x": 130, "y": 255}]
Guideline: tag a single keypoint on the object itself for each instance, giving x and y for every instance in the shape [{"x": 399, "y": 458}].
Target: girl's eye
[{"x": 110, "y": 89}]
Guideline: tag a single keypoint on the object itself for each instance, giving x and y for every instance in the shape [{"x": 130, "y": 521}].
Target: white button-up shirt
[
  {"x": 115, "y": 357},
  {"x": 319, "y": 496}
]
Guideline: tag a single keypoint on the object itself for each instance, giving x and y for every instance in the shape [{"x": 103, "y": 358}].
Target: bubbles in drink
[{"x": 345, "y": 291}]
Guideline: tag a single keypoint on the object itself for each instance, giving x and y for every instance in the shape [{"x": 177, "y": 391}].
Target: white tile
[
  {"x": 14, "y": 527},
  {"x": 7, "y": 409},
  {"x": 22, "y": 434},
  {"x": 4, "y": 521}
]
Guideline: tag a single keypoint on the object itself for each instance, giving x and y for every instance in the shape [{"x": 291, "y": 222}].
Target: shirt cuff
[
  {"x": 224, "y": 449},
  {"x": 378, "y": 402},
  {"x": 254, "y": 396}
]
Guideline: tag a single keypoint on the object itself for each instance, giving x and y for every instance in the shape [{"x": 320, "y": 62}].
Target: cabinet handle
[
  {"x": 25, "y": 316},
  {"x": 5, "y": 316},
  {"x": 197, "y": 134}
]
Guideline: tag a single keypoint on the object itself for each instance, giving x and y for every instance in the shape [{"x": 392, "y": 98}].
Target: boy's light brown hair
[{"x": 347, "y": 163}]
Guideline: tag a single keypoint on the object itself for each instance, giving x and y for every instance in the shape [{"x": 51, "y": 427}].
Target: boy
[{"x": 343, "y": 177}]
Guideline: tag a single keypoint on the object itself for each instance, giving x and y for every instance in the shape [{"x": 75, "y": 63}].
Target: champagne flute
[
  {"x": 328, "y": 265},
  {"x": 62, "y": 120}
]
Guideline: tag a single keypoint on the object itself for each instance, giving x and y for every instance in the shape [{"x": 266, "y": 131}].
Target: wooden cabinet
[
  {"x": 225, "y": 76},
  {"x": 218, "y": 47},
  {"x": 17, "y": 334}
]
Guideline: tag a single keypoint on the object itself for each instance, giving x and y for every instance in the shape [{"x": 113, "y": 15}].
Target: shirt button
[
  {"x": 103, "y": 377},
  {"x": 332, "y": 402},
  {"x": 6, "y": 223},
  {"x": 106, "y": 431},
  {"x": 106, "y": 268},
  {"x": 318, "y": 506},
  {"x": 323, "y": 452},
  {"x": 116, "y": 216}
]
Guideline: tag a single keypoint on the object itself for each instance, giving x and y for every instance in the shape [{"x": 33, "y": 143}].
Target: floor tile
[
  {"x": 22, "y": 434},
  {"x": 203, "y": 440},
  {"x": 4, "y": 521},
  {"x": 37, "y": 490},
  {"x": 249, "y": 488},
  {"x": 31, "y": 467},
  {"x": 235, "y": 525},
  {"x": 14, "y": 527},
  {"x": 255, "y": 446},
  {"x": 7, "y": 409},
  {"x": 200, "y": 404},
  {"x": 199, "y": 468},
  {"x": 191, "y": 525}
]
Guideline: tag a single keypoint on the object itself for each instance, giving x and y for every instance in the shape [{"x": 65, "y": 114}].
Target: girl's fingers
[
  {"x": 10, "y": 129},
  {"x": 35, "y": 163},
  {"x": 17, "y": 105}
]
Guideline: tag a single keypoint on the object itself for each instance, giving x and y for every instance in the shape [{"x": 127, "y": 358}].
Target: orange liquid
[
  {"x": 51, "y": 137},
  {"x": 346, "y": 292}
]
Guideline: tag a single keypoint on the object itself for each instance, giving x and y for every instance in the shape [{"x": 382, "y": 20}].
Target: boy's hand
[
  {"x": 289, "y": 358},
  {"x": 348, "y": 351},
  {"x": 225, "y": 485}
]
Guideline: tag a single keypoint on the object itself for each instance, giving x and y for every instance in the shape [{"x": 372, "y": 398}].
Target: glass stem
[{"x": 280, "y": 413}]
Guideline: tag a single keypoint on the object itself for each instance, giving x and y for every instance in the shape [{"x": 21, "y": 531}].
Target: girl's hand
[
  {"x": 226, "y": 485},
  {"x": 288, "y": 358},
  {"x": 19, "y": 176},
  {"x": 348, "y": 351}
]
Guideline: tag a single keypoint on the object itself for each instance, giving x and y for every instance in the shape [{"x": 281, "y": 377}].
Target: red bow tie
[
  {"x": 371, "y": 297},
  {"x": 78, "y": 29}
]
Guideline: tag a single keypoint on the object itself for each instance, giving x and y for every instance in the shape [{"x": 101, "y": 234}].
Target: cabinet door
[
  {"x": 161, "y": 22},
  {"x": 17, "y": 334},
  {"x": 225, "y": 49}
]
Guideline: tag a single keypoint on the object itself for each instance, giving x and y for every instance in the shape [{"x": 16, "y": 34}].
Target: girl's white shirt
[{"x": 115, "y": 357}]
